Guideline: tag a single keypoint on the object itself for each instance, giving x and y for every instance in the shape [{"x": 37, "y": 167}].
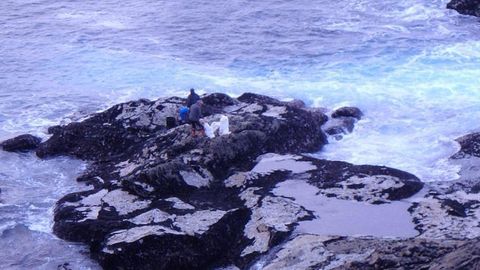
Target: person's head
[{"x": 192, "y": 91}]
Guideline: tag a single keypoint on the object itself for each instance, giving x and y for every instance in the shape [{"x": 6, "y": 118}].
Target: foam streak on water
[{"x": 411, "y": 66}]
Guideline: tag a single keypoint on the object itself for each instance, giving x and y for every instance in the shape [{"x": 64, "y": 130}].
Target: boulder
[
  {"x": 348, "y": 112},
  {"x": 21, "y": 143}
]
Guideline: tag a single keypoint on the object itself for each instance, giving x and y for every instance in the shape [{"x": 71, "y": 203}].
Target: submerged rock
[
  {"x": 342, "y": 122},
  {"x": 339, "y": 126},
  {"x": 24, "y": 142},
  {"x": 466, "y": 7}
]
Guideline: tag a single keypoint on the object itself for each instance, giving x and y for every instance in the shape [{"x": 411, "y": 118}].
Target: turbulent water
[{"x": 412, "y": 66}]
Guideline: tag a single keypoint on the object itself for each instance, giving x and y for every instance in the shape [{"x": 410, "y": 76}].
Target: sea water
[{"x": 411, "y": 66}]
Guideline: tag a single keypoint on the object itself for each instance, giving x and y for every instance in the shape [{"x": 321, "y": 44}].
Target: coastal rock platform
[{"x": 254, "y": 198}]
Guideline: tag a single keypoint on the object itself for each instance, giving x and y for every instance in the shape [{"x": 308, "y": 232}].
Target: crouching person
[
  {"x": 183, "y": 115},
  {"x": 194, "y": 118}
]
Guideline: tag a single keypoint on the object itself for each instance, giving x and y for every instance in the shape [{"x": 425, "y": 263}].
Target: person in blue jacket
[{"x": 183, "y": 115}]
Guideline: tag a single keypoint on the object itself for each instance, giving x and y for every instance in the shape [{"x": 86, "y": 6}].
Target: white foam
[
  {"x": 95, "y": 19},
  {"x": 112, "y": 24}
]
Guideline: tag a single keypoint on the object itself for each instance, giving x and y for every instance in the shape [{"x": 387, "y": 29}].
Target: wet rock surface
[
  {"x": 466, "y": 7},
  {"x": 306, "y": 251},
  {"x": 234, "y": 221},
  {"x": 21, "y": 143},
  {"x": 342, "y": 121},
  {"x": 348, "y": 112},
  {"x": 451, "y": 209},
  {"x": 161, "y": 199}
]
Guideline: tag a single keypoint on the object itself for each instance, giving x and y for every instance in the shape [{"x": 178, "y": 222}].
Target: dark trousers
[{"x": 196, "y": 125}]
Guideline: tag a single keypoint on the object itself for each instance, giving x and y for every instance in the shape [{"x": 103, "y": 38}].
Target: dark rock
[
  {"x": 169, "y": 251},
  {"x": 466, "y": 256},
  {"x": 214, "y": 103},
  {"x": 466, "y": 7},
  {"x": 54, "y": 129},
  {"x": 334, "y": 130},
  {"x": 165, "y": 200},
  {"x": 65, "y": 266},
  {"x": 348, "y": 112},
  {"x": 296, "y": 103},
  {"x": 362, "y": 182},
  {"x": 446, "y": 217},
  {"x": 219, "y": 100},
  {"x": 475, "y": 188},
  {"x": 155, "y": 185},
  {"x": 110, "y": 133},
  {"x": 398, "y": 254},
  {"x": 205, "y": 226},
  {"x": 470, "y": 146},
  {"x": 20, "y": 143},
  {"x": 261, "y": 99},
  {"x": 307, "y": 251},
  {"x": 454, "y": 208}
]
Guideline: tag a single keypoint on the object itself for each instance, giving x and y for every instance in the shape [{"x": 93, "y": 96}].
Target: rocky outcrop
[
  {"x": 161, "y": 199},
  {"x": 232, "y": 221},
  {"x": 155, "y": 186},
  {"x": 21, "y": 143},
  {"x": 466, "y": 7}
]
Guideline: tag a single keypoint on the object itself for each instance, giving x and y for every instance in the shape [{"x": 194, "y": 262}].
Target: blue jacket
[{"x": 183, "y": 113}]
